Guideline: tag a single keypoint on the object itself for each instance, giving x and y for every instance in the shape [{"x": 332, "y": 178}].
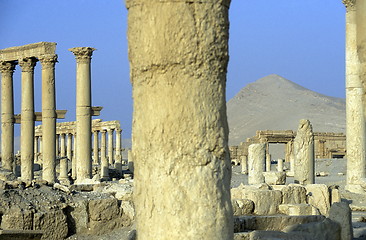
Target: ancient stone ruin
[{"x": 178, "y": 181}]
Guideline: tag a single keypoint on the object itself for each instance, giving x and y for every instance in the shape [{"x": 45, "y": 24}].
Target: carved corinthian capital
[
  {"x": 350, "y": 4},
  {"x": 48, "y": 60},
  {"x": 27, "y": 64},
  {"x": 82, "y": 54},
  {"x": 7, "y": 67}
]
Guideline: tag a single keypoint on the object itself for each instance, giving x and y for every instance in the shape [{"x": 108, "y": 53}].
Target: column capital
[
  {"x": 7, "y": 67},
  {"x": 82, "y": 54},
  {"x": 48, "y": 60},
  {"x": 118, "y": 130},
  {"x": 103, "y": 131},
  {"x": 27, "y": 64},
  {"x": 349, "y": 4}
]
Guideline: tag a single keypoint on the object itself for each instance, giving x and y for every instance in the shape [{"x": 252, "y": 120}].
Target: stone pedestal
[
  {"x": 178, "y": 59},
  {"x": 304, "y": 154},
  {"x": 49, "y": 117},
  {"x": 27, "y": 119},
  {"x": 83, "y": 112},
  {"x": 7, "y": 115},
  {"x": 256, "y": 163}
]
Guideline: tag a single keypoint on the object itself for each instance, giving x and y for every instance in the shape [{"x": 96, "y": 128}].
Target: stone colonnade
[
  {"x": 27, "y": 56},
  {"x": 66, "y": 143},
  {"x": 355, "y": 93},
  {"x": 178, "y": 54}
]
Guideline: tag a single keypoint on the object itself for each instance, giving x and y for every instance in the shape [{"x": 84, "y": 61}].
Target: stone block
[
  {"x": 324, "y": 230},
  {"x": 266, "y": 202},
  {"x": 242, "y": 206},
  {"x": 276, "y": 235},
  {"x": 103, "y": 209},
  {"x": 53, "y": 224},
  {"x": 275, "y": 178},
  {"x": 242, "y": 236},
  {"x": 128, "y": 209},
  {"x": 340, "y": 213},
  {"x": 272, "y": 223},
  {"x": 16, "y": 218},
  {"x": 293, "y": 194},
  {"x": 298, "y": 209},
  {"x": 78, "y": 217},
  {"x": 318, "y": 196}
]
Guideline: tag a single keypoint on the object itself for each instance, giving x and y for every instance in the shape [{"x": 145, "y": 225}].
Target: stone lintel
[
  {"x": 60, "y": 114},
  {"x": 29, "y": 50},
  {"x": 95, "y": 111}
]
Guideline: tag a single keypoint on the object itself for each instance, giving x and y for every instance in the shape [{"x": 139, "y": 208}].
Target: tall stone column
[
  {"x": 7, "y": 115},
  {"x": 49, "y": 117},
  {"x": 104, "y": 166},
  {"x": 290, "y": 158},
  {"x": 57, "y": 145},
  {"x": 74, "y": 159},
  {"x": 36, "y": 149},
  {"x": 62, "y": 145},
  {"x": 244, "y": 164},
  {"x": 41, "y": 149},
  {"x": 178, "y": 54},
  {"x": 27, "y": 118},
  {"x": 83, "y": 112},
  {"x": 355, "y": 108},
  {"x": 118, "y": 156},
  {"x": 304, "y": 154},
  {"x": 69, "y": 146},
  {"x": 110, "y": 146},
  {"x": 95, "y": 147},
  {"x": 256, "y": 163}
]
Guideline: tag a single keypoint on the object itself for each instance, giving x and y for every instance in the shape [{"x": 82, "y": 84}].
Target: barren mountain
[{"x": 275, "y": 103}]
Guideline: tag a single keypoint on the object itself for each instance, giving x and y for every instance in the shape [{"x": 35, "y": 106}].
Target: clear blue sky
[{"x": 301, "y": 40}]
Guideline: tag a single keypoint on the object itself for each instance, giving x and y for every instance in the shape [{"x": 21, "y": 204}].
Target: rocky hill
[{"x": 275, "y": 103}]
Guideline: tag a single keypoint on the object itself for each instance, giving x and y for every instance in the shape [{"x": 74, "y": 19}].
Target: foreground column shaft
[
  {"x": 304, "y": 154},
  {"x": 83, "y": 112},
  {"x": 27, "y": 119},
  {"x": 7, "y": 115},
  {"x": 178, "y": 57},
  {"x": 355, "y": 109},
  {"x": 49, "y": 116}
]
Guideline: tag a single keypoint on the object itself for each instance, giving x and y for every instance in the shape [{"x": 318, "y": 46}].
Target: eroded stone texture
[
  {"x": 256, "y": 163},
  {"x": 304, "y": 154},
  {"x": 318, "y": 196},
  {"x": 178, "y": 56}
]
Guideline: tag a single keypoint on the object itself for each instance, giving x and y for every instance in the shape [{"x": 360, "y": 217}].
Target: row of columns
[{"x": 28, "y": 115}]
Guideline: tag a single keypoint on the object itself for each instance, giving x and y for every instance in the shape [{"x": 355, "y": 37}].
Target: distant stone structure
[{"x": 326, "y": 145}]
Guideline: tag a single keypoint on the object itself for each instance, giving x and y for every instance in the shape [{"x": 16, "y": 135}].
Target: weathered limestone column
[
  {"x": 41, "y": 149},
  {"x": 62, "y": 145},
  {"x": 7, "y": 115},
  {"x": 36, "y": 149},
  {"x": 95, "y": 147},
  {"x": 83, "y": 112},
  {"x": 110, "y": 146},
  {"x": 304, "y": 154},
  {"x": 268, "y": 161},
  {"x": 104, "y": 167},
  {"x": 178, "y": 54},
  {"x": 256, "y": 163},
  {"x": 69, "y": 146},
  {"x": 118, "y": 157},
  {"x": 74, "y": 159},
  {"x": 355, "y": 91},
  {"x": 57, "y": 145},
  {"x": 27, "y": 118},
  {"x": 290, "y": 158},
  {"x": 49, "y": 117},
  {"x": 244, "y": 164},
  {"x": 280, "y": 165}
]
